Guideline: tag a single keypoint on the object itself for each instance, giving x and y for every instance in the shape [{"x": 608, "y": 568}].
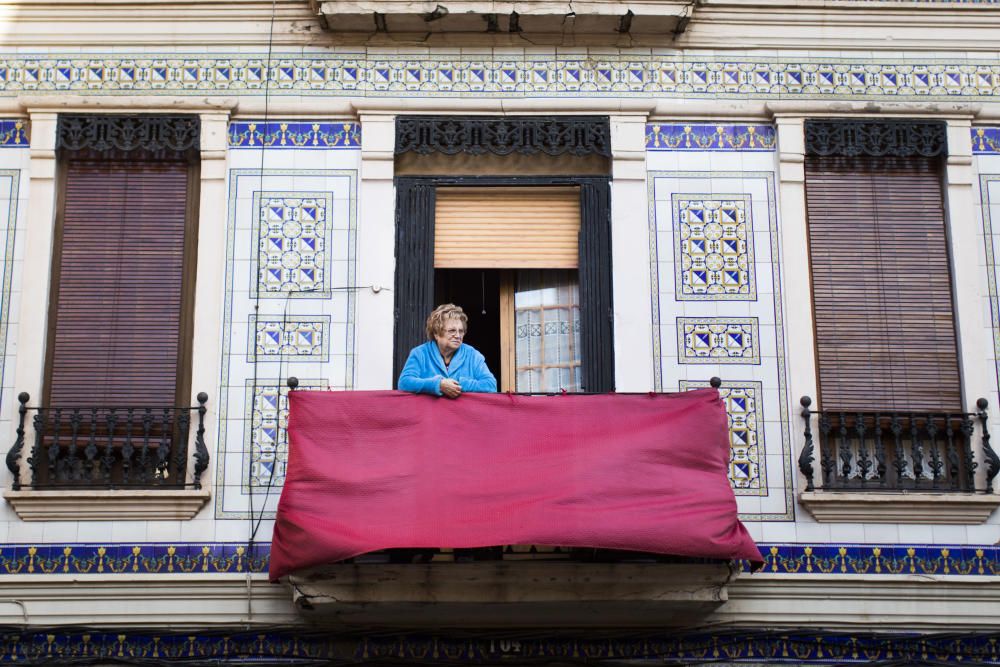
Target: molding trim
[
  {"x": 908, "y": 508},
  {"x": 102, "y": 505}
]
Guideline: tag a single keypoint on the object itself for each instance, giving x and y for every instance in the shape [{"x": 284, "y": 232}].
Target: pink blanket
[{"x": 371, "y": 470}]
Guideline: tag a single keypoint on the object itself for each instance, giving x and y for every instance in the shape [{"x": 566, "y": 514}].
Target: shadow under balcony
[{"x": 513, "y": 587}]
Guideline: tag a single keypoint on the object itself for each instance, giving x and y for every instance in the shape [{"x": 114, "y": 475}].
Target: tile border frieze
[
  {"x": 555, "y": 74},
  {"x": 814, "y": 559}
]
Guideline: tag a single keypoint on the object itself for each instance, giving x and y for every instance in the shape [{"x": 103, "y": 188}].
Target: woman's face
[{"x": 449, "y": 339}]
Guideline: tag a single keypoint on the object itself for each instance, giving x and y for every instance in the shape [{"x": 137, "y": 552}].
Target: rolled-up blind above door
[{"x": 501, "y": 227}]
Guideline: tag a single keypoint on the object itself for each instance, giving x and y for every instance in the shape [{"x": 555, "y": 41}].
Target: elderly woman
[{"x": 444, "y": 366}]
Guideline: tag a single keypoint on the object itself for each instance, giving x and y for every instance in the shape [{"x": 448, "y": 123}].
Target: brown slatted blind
[
  {"x": 506, "y": 227},
  {"x": 885, "y": 330},
  {"x": 119, "y": 284}
]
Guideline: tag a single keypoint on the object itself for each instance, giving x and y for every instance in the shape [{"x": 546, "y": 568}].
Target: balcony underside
[{"x": 511, "y": 594}]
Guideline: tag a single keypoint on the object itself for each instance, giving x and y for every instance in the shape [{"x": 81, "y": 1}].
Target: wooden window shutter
[
  {"x": 881, "y": 278},
  {"x": 117, "y": 333},
  {"x": 507, "y": 227}
]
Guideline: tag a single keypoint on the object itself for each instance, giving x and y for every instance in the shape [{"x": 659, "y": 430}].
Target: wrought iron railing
[
  {"x": 896, "y": 451},
  {"x": 109, "y": 447}
]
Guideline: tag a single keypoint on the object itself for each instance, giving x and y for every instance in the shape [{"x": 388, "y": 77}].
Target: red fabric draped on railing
[{"x": 371, "y": 470}]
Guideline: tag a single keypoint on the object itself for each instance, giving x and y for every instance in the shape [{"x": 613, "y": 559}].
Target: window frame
[{"x": 414, "y": 283}]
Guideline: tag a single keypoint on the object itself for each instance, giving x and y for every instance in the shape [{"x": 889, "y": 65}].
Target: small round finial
[
  {"x": 715, "y": 382},
  {"x": 982, "y": 403},
  {"x": 293, "y": 382},
  {"x": 202, "y": 397},
  {"x": 805, "y": 401},
  {"x": 23, "y": 397}
]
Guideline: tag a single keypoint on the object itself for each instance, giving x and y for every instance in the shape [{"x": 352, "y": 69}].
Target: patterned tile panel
[
  {"x": 746, "y": 418},
  {"x": 986, "y": 140},
  {"x": 289, "y": 339},
  {"x": 750, "y": 646},
  {"x": 293, "y": 243},
  {"x": 13, "y": 133},
  {"x": 313, "y": 135},
  {"x": 718, "y": 340},
  {"x": 266, "y": 435},
  {"x": 128, "y": 559},
  {"x": 374, "y": 73},
  {"x": 714, "y": 248},
  {"x": 710, "y": 137}
]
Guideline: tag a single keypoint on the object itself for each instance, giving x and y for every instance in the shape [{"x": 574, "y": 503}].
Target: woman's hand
[{"x": 451, "y": 388}]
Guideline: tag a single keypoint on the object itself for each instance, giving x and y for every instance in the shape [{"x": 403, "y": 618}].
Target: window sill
[
  {"x": 101, "y": 505},
  {"x": 899, "y": 507}
]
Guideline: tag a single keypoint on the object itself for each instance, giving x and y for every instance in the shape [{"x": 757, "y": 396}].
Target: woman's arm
[
  {"x": 480, "y": 379},
  {"x": 412, "y": 377}
]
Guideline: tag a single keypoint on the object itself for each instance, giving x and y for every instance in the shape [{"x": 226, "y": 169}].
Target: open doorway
[
  {"x": 526, "y": 322},
  {"x": 477, "y": 291}
]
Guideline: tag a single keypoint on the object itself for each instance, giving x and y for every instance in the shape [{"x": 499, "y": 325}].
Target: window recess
[
  {"x": 115, "y": 411},
  {"x": 890, "y": 415}
]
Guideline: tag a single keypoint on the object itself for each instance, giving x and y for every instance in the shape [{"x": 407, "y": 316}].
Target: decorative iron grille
[
  {"x": 109, "y": 447},
  {"x": 897, "y": 451},
  {"x": 125, "y": 134},
  {"x": 504, "y": 135},
  {"x": 876, "y": 138}
]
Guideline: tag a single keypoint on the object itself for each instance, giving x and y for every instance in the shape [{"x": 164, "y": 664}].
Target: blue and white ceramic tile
[
  {"x": 662, "y": 73},
  {"x": 713, "y": 328},
  {"x": 289, "y": 309},
  {"x": 718, "y": 340}
]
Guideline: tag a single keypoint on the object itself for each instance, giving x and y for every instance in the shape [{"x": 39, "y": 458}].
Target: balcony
[
  {"x": 513, "y": 586},
  {"x": 108, "y": 462},
  {"x": 898, "y": 467},
  {"x": 633, "y": 487}
]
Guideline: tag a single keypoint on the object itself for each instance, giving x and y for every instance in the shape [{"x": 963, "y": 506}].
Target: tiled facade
[{"x": 309, "y": 232}]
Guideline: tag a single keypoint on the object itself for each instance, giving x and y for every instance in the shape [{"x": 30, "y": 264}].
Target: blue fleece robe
[{"x": 425, "y": 369}]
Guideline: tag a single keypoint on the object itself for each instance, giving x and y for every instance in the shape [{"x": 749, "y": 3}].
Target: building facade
[{"x": 200, "y": 201}]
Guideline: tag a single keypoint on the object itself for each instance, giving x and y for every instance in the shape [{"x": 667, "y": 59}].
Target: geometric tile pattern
[
  {"x": 710, "y": 137},
  {"x": 293, "y": 243},
  {"x": 565, "y": 75},
  {"x": 290, "y": 338},
  {"x": 14, "y": 133},
  {"x": 131, "y": 558},
  {"x": 746, "y": 420},
  {"x": 717, "y": 340},
  {"x": 714, "y": 247},
  {"x": 986, "y": 140},
  {"x": 267, "y": 403},
  {"x": 314, "y": 135}
]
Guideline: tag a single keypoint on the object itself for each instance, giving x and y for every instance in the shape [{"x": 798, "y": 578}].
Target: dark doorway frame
[{"x": 414, "y": 285}]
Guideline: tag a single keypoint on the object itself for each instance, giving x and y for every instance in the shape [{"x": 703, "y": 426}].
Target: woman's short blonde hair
[{"x": 443, "y": 313}]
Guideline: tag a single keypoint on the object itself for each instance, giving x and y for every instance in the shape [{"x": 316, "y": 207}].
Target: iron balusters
[
  {"x": 880, "y": 451},
  {"x": 110, "y": 447}
]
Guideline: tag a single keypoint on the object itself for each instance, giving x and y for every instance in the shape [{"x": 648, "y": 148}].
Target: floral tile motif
[
  {"x": 713, "y": 247},
  {"x": 746, "y": 417},
  {"x": 986, "y": 140},
  {"x": 289, "y": 339},
  {"x": 128, "y": 559},
  {"x": 293, "y": 242},
  {"x": 718, "y": 340},
  {"x": 710, "y": 137},
  {"x": 299, "y": 135},
  {"x": 623, "y": 74},
  {"x": 267, "y": 431},
  {"x": 14, "y": 133}
]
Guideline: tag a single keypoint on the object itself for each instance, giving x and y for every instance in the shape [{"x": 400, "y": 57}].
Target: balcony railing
[
  {"x": 109, "y": 447},
  {"x": 897, "y": 451}
]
